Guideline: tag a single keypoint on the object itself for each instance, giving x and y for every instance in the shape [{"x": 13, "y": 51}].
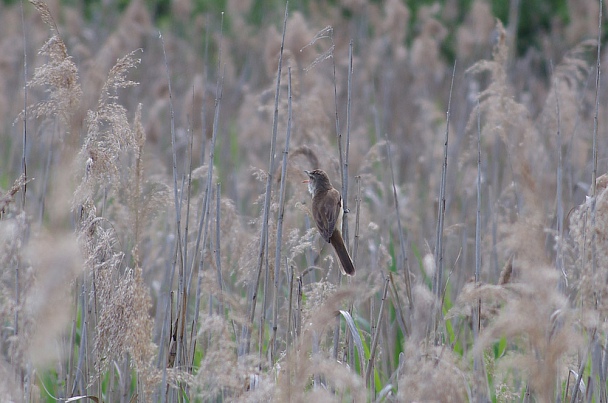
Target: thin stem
[
  {"x": 173, "y": 148},
  {"x": 218, "y": 259},
  {"x": 204, "y": 104},
  {"x": 188, "y": 199},
  {"x": 290, "y": 302},
  {"x": 403, "y": 256},
  {"x": 438, "y": 277},
  {"x": 23, "y": 155},
  {"x": 345, "y": 234},
  {"x": 372, "y": 353},
  {"x": 478, "y": 214},
  {"x": 204, "y": 220},
  {"x": 559, "y": 258},
  {"x": 277, "y": 260},
  {"x": 595, "y": 124},
  {"x": 341, "y": 159},
  {"x": 351, "y": 351},
  {"x": 253, "y": 290},
  {"x": 338, "y": 133},
  {"x": 477, "y": 362}
]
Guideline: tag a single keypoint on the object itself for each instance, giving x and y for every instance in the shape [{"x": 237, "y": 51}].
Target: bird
[{"x": 327, "y": 213}]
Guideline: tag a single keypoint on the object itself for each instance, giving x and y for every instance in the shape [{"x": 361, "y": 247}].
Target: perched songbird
[{"x": 327, "y": 213}]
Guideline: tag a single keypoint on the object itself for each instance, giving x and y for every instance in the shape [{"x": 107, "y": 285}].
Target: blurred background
[{"x": 125, "y": 148}]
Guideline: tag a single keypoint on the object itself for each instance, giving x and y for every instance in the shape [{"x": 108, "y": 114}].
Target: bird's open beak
[{"x": 307, "y": 180}]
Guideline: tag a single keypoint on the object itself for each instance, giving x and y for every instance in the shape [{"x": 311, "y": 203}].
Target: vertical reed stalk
[
  {"x": 203, "y": 224},
  {"x": 403, "y": 256},
  {"x": 372, "y": 354},
  {"x": 253, "y": 290},
  {"x": 438, "y": 276},
  {"x": 218, "y": 258},
  {"x": 277, "y": 260}
]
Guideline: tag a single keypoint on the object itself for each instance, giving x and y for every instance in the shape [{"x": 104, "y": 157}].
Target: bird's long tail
[{"x": 345, "y": 260}]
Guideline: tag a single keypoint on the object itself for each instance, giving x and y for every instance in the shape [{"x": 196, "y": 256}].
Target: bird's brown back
[{"x": 326, "y": 207}]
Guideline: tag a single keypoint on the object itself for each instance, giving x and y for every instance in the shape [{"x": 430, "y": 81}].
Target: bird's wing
[{"x": 327, "y": 213}]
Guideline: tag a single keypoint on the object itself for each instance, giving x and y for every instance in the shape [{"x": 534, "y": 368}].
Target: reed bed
[{"x": 156, "y": 240}]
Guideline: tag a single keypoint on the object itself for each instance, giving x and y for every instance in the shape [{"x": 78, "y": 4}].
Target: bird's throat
[{"x": 311, "y": 187}]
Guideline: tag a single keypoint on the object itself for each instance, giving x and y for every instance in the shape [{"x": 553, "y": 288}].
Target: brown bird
[{"x": 327, "y": 213}]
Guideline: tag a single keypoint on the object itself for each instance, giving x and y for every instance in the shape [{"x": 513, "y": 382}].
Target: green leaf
[
  {"x": 354, "y": 334},
  {"x": 500, "y": 347}
]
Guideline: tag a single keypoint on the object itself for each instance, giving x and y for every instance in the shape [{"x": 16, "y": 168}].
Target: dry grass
[{"x": 127, "y": 277}]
